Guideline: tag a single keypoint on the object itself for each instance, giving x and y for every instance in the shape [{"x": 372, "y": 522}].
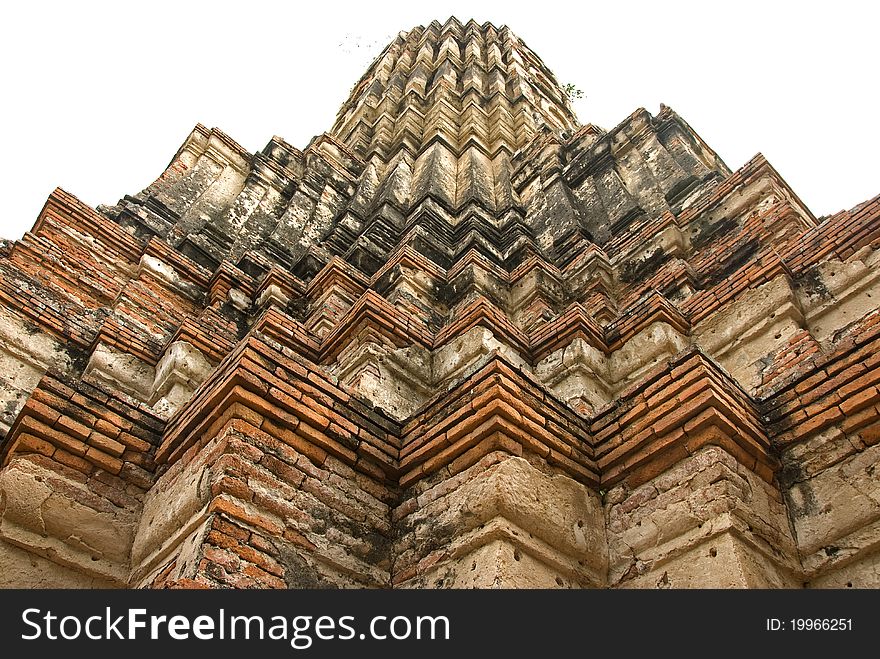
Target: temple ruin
[{"x": 459, "y": 340}]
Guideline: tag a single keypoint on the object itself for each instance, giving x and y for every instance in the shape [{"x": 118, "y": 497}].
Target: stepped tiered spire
[
  {"x": 457, "y": 340},
  {"x": 463, "y": 85}
]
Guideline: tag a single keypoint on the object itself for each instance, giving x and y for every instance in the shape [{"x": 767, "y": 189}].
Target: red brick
[
  {"x": 236, "y": 487},
  {"x": 226, "y": 506},
  {"x": 41, "y": 411},
  {"x": 107, "y": 428},
  {"x": 28, "y": 442},
  {"x": 298, "y": 539},
  {"x": 307, "y": 413},
  {"x": 262, "y": 544},
  {"x": 103, "y": 460},
  {"x": 818, "y": 422},
  {"x": 292, "y": 438},
  {"x": 228, "y": 528},
  {"x": 56, "y": 437},
  {"x": 104, "y": 443},
  {"x": 871, "y": 436},
  {"x": 258, "y": 558},
  {"x": 73, "y": 461},
  {"x": 633, "y": 413},
  {"x": 263, "y": 578},
  {"x": 286, "y": 472},
  {"x": 223, "y": 557},
  {"x": 866, "y": 380},
  {"x": 133, "y": 442},
  {"x": 854, "y": 403},
  {"x": 859, "y": 419},
  {"x": 221, "y": 540}
]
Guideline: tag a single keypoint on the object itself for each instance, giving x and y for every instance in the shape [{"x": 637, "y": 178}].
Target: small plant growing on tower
[{"x": 572, "y": 91}]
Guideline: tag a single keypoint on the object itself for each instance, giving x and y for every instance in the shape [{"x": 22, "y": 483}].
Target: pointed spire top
[{"x": 459, "y": 83}]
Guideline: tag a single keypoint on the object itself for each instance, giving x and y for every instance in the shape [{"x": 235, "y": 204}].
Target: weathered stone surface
[
  {"x": 459, "y": 340},
  {"x": 494, "y": 514},
  {"x": 23, "y": 569},
  {"x": 706, "y": 507}
]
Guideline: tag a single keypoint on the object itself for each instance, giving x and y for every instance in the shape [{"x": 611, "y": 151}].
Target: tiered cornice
[{"x": 457, "y": 340}]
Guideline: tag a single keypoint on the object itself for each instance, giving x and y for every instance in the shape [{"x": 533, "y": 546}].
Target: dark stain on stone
[
  {"x": 707, "y": 232},
  {"x": 639, "y": 270},
  {"x": 810, "y": 282}
]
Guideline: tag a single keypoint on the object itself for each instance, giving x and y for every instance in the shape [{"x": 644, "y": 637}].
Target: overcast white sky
[{"x": 97, "y": 96}]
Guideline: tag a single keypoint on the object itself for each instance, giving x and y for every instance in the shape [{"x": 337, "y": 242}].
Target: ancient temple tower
[{"x": 458, "y": 340}]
